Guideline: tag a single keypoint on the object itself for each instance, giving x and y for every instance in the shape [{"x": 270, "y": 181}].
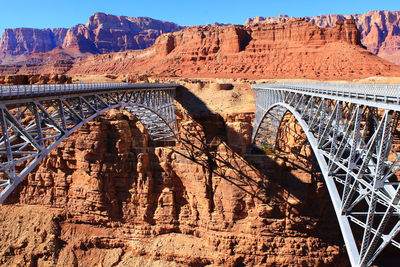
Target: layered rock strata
[
  {"x": 293, "y": 49},
  {"x": 380, "y": 30},
  {"x": 23, "y": 41}
]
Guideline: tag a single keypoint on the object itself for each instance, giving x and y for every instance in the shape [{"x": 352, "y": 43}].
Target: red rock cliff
[
  {"x": 294, "y": 49},
  {"x": 102, "y": 34},
  {"x": 25, "y": 41},
  {"x": 380, "y": 30}
]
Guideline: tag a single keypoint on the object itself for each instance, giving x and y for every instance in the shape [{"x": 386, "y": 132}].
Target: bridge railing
[
  {"x": 386, "y": 93},
  {"x": 8, "y": 91}
]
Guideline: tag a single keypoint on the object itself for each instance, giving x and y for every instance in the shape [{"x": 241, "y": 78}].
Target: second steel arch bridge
[{"x": 353, "y": 131}]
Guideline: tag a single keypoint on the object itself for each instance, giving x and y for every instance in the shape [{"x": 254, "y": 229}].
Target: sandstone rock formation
[
  {"x": 293, "y": 49},
  {"x": 120, "y": 33},
  {"x": 17, "y": 44},
  {"x": 380, "y": 30},
  {"x": 102, "y": 34}
]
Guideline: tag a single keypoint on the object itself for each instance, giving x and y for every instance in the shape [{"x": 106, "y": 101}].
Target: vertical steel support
[
  {"x": 38, "y": 123},
  {"x": 366, "y": 246},
  {"x": 6, "y": 140},
  {"x": 351, "y": 165}
]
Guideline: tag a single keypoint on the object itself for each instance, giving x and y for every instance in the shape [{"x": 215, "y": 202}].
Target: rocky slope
[
  {"x": 380, "y": 30},
  {"x": 292, "y": 49},
  {"x": 102, "y": 34}
]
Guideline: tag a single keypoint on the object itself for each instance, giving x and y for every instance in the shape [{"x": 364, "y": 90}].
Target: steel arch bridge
[
  {"x": 34, "y": 119},
  {"x": 354, "y": 133}
]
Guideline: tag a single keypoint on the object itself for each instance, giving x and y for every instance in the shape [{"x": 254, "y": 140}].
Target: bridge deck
[
  {"x": 23, "y": 91},
  {"x": 379, "y": 95}
]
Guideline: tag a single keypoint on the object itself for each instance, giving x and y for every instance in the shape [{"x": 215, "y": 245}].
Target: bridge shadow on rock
[
  {"x": 212, "y": 123},
  {"x": 309, "y": 200},
  {"x": 218, "y": 161},
  {"x": 298, "y": 200},
  {"x": 304, "y": 200},
  {"x": 202, "y": 141},
  {"x": 288, "y": 183}
]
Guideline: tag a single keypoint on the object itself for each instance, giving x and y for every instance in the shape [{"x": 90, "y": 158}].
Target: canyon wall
[
  {"x": 102, "y": 34},
  {"x": 380, "y": 30},
  {"x": 105, "y": 197},
  {"x": 292, "y": 49}
]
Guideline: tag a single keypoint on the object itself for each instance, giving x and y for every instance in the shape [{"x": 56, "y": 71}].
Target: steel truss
[
  {"x": 353, "y": 131},
  {"x": 35, "y": 119}
]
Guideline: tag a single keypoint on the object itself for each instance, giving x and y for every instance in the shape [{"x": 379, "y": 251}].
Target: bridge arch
[
  {"x": 351, "y": 137},
  {"x": 31, "y": 127},
  {"x": 281, "y": 108}
]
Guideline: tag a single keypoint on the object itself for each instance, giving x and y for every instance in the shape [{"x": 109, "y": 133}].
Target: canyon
[{"x": 107, "y": 197}]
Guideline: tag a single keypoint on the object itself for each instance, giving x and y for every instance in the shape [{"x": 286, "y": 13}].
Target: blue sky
[{"x": 56, "y": 13}]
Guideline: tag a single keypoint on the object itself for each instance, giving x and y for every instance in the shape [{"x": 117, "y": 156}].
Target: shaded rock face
[
  {"x": 80, "y": 37},
  {"x": 104, "y": 197},
  {"x": 380, "y": 30},
  {"x": 119, "y": 33},
  {"x": 292, "y": 49},
  {"x": 102, "y": 34},
  {"x": 22, "y": 41}
]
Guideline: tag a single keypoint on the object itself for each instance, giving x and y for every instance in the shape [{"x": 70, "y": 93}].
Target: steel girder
[
  {"x": 32, "y": 125},
  {"x": 354, "y": 136}
]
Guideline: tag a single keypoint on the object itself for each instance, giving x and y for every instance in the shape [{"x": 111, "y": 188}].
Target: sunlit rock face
[
  {"x": 380, "y": 30},
  {"x": 102, "y": 34},
  {"x": 293, "y": 49}
]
